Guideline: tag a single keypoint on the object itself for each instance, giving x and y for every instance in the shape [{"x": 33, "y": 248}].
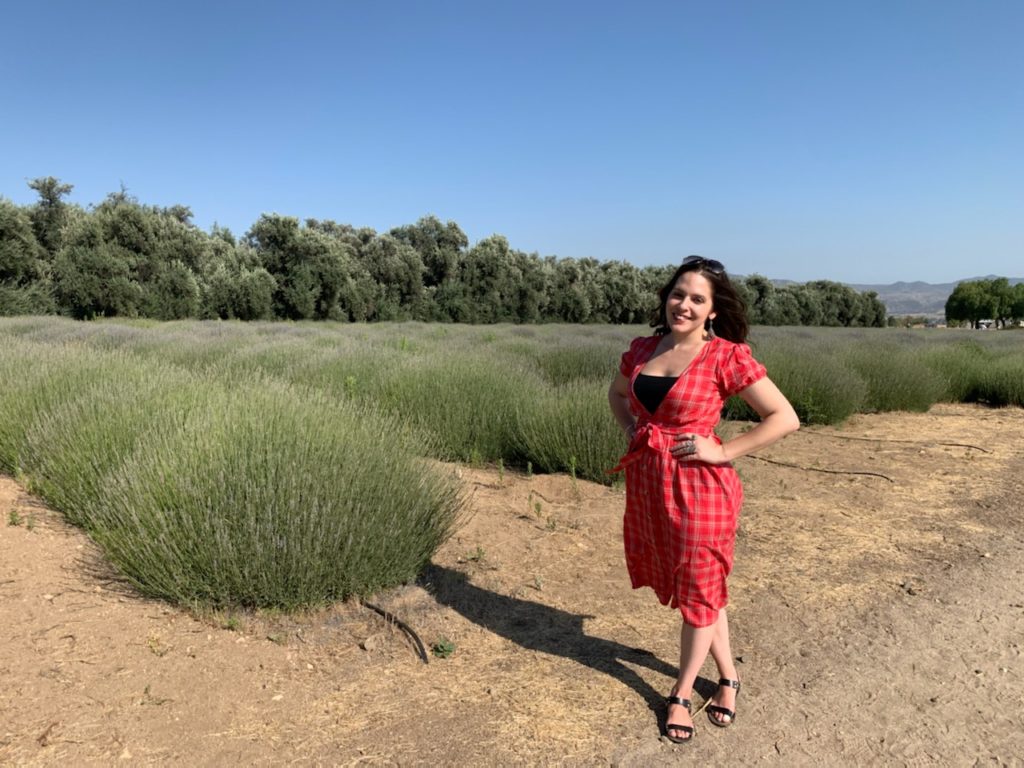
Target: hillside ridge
[{"x": 913, "y": 298}]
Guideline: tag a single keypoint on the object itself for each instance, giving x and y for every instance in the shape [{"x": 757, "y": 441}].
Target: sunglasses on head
[{"x": 713, "y": 266}]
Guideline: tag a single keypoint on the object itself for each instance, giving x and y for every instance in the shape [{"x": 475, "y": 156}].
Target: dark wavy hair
[{"x": 730, "y": 310}]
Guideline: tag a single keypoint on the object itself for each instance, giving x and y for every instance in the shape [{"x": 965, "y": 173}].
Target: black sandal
[
  {"x": 713, "y": 709},
  {"x": 687, "y": 729}
]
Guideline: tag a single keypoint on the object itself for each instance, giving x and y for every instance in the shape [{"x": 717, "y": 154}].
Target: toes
[{"x": 720, "y": 717}]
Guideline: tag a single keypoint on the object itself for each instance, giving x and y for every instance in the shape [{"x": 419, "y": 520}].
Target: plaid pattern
[{"x": 679, "y": 527}]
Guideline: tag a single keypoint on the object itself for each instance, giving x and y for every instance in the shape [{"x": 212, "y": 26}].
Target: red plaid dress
[{"x": 679, "y": 528}]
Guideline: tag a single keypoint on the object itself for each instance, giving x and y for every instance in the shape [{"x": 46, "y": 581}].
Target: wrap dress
[{"x": 679, "y": 527}]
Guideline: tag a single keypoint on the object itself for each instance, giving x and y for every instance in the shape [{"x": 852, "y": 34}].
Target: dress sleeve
[
  {"x": 630, "y": 356},
  {"x": 740, "y": 370}
]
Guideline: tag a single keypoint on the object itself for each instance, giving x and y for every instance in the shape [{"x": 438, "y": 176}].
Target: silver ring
[{"x": 689, "y": 447}]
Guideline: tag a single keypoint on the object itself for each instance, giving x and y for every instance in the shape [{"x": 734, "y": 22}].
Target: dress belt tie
[{"x": 650, "y": 435}]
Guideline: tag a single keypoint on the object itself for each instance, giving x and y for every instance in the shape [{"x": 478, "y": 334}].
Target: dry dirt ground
[{"x": 878, "y": 621}]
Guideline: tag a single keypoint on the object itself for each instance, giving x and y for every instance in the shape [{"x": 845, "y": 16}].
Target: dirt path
[{"x": 878, "y": 621}]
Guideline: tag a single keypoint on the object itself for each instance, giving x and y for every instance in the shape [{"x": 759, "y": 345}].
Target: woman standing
[{"x": 683, "y": 496}]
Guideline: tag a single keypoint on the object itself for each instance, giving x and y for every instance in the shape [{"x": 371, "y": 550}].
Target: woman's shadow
[{"x": 553, "y": 631}]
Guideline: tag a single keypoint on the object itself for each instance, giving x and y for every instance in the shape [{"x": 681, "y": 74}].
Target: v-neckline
[{"x": 700, "y": 354}]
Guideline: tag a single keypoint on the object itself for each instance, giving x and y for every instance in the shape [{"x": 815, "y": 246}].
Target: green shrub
[
  {"x": 960, "y": 364},
  {"x": 201, "y": 490},
  {"x": 822, "y": 389},
  {"x": 37, "y": 379},
  {"x": 569, "y": 361},
  {"x": 1001, "y": 381},
  {"x": 570, "y": 428},
  {"x": 897, "y": 378},
  {"x": 357, "y": 372},
  {"x": 266, "y": 498},
  {"x": 468, "y": 401},
  {"x": 72, "y": 446}
]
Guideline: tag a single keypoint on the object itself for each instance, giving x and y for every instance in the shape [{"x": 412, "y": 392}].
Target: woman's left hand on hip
[{"x": 690, "y": 446}]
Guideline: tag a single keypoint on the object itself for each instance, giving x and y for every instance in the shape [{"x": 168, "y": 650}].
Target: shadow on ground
[{"x": 539, "y": 627}]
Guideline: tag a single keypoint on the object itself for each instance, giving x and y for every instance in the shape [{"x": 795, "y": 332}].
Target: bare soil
[{"x": 878, "y": 619}]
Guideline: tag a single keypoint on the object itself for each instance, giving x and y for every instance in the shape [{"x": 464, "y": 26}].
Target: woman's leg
[
  {"x": 721, "y": 651},
  {"x": 694, "y": 644}
]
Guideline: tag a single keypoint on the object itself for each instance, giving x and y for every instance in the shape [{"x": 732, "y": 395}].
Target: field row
[{"x": 293, "y": 464}]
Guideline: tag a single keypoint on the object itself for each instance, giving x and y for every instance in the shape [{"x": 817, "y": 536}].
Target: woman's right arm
[{"x": 618, "y": 399}]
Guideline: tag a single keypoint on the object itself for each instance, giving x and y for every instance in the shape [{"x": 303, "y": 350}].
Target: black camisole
[{"x": 651, "y": 390}]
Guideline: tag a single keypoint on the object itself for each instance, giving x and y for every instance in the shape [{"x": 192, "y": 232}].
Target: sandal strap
[
  {"x": 683, "y": 728},
  {"x": 685, "y": 703},
  {"x": 727, "y": 683}
]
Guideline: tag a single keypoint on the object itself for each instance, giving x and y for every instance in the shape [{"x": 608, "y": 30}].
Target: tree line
[
  {"x": 994, "y": 299},
  {"x": 124, "y": 258}
]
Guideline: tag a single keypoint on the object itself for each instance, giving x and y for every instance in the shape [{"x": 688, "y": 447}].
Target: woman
[{"x": 683, "y": 496}]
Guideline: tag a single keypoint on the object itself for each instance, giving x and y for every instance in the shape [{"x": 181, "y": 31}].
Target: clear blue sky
[{"x": 866, "y": 142}]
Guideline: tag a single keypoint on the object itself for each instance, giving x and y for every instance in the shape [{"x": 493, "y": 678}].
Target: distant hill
[
  {"x": 916, "y": 298},
  {"x": 920, "y": 298}
]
